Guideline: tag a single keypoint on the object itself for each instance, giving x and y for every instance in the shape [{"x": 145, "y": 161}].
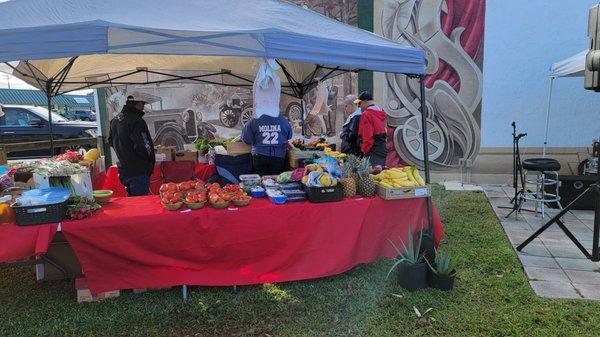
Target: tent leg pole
[
  {"x": 49, "y": 97},
  {"x": 302, "y": 106},
  {"x": 548, "y": 105},
  {"x": 426, "y": 152}
]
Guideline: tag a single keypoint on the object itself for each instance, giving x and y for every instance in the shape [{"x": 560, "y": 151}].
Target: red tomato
[
  {"x": 163, "y": 188},
  {"x": 213, "y": 198},
  {"x": 164, "y": 200},
  {"x": 184, "y": 186},
  {"x": 171, "y": 187},
  {"x": 199, "y": 185}
]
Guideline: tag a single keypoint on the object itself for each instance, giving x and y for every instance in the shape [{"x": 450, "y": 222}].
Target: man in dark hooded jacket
[
  {"x": 372, "y": 129},
  {"x": 130, "y": 138}
]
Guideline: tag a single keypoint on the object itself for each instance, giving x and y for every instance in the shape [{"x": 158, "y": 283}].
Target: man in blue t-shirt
[{"x": 268, "y": 136}]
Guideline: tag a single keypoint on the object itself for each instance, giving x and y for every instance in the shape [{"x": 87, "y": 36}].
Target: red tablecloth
[
  {"x": 134, "y": 243},
  {"x": 22, "y": 242},
  {"x": 112, "y": 182}
]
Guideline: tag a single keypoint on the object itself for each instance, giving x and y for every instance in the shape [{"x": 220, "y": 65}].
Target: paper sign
[
  {"x": 232, "y": 209},
  {"x": 186, "y": 210},
  {"x": 419, "y": 192}
]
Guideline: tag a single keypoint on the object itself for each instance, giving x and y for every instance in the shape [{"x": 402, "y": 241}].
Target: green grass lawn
[{"x": 492, "y": 298}]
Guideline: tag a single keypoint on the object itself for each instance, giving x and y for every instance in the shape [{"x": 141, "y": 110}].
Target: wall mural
[
  {"x": 451, "y": 33},
  {"x": 179, "y": 113}
]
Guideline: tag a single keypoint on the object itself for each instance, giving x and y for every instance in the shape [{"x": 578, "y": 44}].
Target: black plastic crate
[
  {"x": 324, "y": 194},
  {"x": 40, "y": 214}
]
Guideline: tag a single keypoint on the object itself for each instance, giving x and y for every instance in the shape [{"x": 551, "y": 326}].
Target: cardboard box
[
  {"x": 237, "y": 148},
  {"x": 164, "y": 153},
  {"x": 85, "y": 295},
  {"x": 186, "y": 155},
  {"x": 81, "y": 182}
]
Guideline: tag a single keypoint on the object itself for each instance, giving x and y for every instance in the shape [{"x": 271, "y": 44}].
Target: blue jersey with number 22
[{"x": 267, "y": 135}]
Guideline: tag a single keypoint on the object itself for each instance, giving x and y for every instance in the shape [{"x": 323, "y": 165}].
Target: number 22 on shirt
[{"x": 270, "y": 138}]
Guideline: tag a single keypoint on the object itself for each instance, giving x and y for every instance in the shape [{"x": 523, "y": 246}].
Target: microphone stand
[{"x": 517, "y": 200}]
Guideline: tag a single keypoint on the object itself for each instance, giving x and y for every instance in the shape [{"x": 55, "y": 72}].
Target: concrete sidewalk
[{"x": 554, "y": 265}]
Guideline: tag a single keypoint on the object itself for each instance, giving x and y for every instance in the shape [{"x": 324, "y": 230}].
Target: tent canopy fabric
[
  {"x": 573, "y": 66},
  {"x": 144, "y": 41}
]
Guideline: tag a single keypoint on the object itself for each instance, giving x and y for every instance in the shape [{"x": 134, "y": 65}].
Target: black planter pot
[
  {"x": 445, "y": 283},
  {"x": 412, "y": 276}
]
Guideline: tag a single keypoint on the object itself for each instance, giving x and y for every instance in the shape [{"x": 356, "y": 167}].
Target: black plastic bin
[
  {"x": 40, "y": 214},
  {"x": 324, "y": 194}
]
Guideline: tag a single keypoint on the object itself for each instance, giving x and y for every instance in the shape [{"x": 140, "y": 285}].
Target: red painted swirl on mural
[{"x": 469, "y": 14}]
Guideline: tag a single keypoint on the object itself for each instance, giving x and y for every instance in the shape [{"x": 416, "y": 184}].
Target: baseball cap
[
  {"x": 136, "y": 97},
  {"x": 364, "y": 96}
]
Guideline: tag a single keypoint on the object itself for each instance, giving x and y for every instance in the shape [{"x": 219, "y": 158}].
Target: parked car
[
  {"x": 82, "y": 115},
  {"x": 27, "y": 124}
]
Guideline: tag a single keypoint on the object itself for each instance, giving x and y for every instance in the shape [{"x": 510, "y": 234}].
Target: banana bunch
[
  {"x": 335, "y": 154},
  {"x": 407, "y": 176}
]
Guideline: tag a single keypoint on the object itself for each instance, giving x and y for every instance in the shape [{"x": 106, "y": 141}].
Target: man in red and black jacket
[{"x": 372, "y": 129}]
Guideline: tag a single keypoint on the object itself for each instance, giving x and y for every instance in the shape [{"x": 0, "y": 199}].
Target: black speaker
[{"x": 570, "y": 188}]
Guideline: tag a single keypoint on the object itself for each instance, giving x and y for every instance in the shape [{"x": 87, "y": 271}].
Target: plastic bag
[
  {"x": 330, "y": 165},
  {"x": 284, "y": 177},
  {"x": 320, "y": 106},
  {"x": 7, "y": 179},
  {"x": 267, "y": 89}
]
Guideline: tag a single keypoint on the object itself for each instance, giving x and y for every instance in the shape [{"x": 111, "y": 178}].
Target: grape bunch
[
  {"x": 81, "y": 208},
  {"x": 78, "y": 214}
]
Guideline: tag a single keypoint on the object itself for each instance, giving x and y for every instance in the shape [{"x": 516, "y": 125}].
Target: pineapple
[
  {"x": 366, "y": 185},
  {"x": 353, "y": 160},
  {"x": 348, "y": 182}
]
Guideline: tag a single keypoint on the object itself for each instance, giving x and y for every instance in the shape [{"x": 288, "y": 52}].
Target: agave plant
[
  {"x": 444, "y": 265},
  {"x": 409, "y": 254}
]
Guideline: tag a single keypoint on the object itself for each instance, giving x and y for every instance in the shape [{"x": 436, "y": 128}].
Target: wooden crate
[
  {"x": 298, "y": 158},
  {"x": 403, "y": 192},
  {"x": 238, "y": 148}
]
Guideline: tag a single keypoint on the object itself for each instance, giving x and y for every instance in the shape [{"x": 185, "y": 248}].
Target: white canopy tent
[
  {"x": 573, "y": 66},
  {"x": 145, "y": 41}
]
